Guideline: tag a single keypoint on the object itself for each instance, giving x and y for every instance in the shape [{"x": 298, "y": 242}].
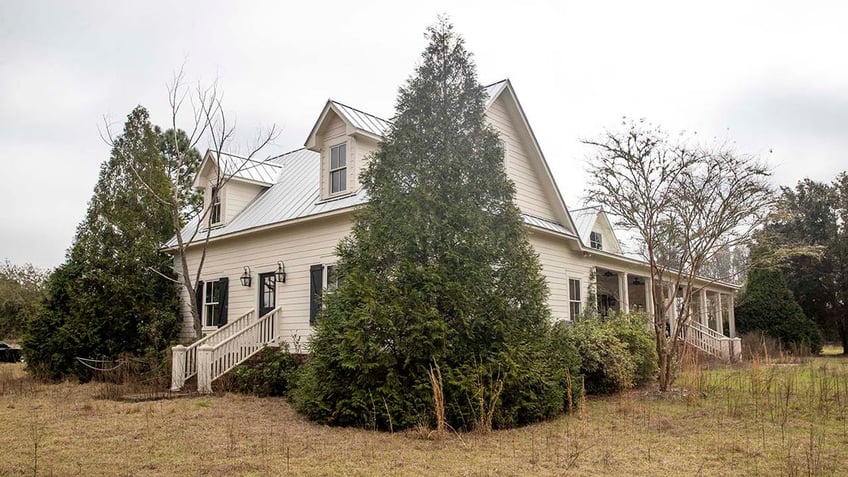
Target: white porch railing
[
  {"x": 184, "y": 358},
  {"x": 214, "y": 361},
  {"x": 712, "y": 342}
]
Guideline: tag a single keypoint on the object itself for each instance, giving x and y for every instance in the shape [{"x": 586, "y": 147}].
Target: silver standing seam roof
[
  {"x": 262, "y": 172},
  {"x": 293, "y": 181},
  {"x": 584, "y": 219}
]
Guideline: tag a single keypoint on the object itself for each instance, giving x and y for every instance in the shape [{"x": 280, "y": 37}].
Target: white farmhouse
[{"x": 276, "y": 223}]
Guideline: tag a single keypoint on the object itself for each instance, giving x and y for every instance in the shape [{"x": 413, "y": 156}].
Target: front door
[{"x": 267, "y": 293}]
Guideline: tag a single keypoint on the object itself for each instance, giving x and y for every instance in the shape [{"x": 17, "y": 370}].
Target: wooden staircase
[
  {"x": 712, "y": 342},
  {"x": 217, "y": 353}
]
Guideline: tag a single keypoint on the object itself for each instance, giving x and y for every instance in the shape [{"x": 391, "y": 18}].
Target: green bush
[
  {"x": 606, "y": 364},
  {"x": 633, "y": 329},
  {"x": 272, "y": 373},
  {"x": 564, "y": 358}
]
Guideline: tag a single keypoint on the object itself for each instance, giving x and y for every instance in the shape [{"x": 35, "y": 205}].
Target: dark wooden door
[{"x": 267, "y": 293}]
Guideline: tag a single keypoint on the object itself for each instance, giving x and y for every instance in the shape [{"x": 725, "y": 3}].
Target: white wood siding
[
  {"x": 559, "y": 263},
  {"x": 238, "y": 194},
  {"x": 298, "y": 245},
  {"x": 529, "y": 193}
]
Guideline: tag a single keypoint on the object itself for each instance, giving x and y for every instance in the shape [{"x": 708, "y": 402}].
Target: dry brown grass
[{"x": 64, "y": 430}]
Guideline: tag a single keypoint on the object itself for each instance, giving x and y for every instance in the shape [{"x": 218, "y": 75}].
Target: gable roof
[
  {"x": 293, "y": 192},
  {"x": 504, "y": 87},
  {"x": 263, "y": 173},
  {"x": 586, "y": 220},
  {"x": 359, "y": 121}
]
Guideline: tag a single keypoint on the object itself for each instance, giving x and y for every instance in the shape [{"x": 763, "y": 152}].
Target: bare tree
[
  {"x": 686, "y": 202},
  {"x": 208, "y": 124}
]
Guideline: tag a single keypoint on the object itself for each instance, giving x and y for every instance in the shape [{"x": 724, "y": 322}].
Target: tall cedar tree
[
  {"x": 111, "y": 295},
  {"x": 438, "y": 269}
]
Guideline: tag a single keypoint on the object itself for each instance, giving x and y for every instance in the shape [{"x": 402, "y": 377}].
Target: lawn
[{"x": 759, "y": 418}]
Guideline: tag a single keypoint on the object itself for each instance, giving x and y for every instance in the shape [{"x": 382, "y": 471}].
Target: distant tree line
[{"x": 801, "y": 256}]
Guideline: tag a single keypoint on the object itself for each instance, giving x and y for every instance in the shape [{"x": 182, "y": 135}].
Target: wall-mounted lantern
[
  {"x": 281, "y": 272},
  {"x": 245, "y": 277}
]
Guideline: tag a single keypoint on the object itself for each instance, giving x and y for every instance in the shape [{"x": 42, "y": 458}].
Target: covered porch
[{"x": 711, "y": 322}]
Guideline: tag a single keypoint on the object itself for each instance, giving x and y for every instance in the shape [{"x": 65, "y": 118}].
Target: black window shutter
[
  {"x": 198, "y": 293},
  {"x": 316, "y": 273},
  {"x": 222, "y": 315}
]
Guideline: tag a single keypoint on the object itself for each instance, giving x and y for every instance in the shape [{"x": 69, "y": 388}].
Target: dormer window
[
  {"x": 596, "y": 241},
  {"x": 338, "y": 168},
  {"x": 215, "y": 207}
]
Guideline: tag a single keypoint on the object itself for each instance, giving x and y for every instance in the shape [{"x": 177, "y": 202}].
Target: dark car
[{"x": 9, "y": 354}]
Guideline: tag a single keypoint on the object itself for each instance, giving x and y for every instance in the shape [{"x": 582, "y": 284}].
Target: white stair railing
[
  {"x": 184, "y": 358},
  {"x": 712, "y": 342},
  {"x": 215, "y": 360}
]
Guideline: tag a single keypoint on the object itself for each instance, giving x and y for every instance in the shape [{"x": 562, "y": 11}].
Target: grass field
[{"x": 759, "y": 418}]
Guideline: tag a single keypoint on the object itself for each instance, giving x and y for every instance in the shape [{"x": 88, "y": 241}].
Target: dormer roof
[
  {"x": 264, "y": 173},
  {"x": 357, "y": 122},
  {"x": 593, "y": 218}
]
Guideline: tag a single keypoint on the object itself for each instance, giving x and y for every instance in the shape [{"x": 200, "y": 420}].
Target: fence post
[
  {"x": 204, "y": 368},
  {"x": 178, "y": 365}
]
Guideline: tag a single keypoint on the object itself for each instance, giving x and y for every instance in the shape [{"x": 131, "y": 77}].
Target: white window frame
[
  {"x": 341, "y": 170},
  {"x": 574, "y": 301},
  {"x": 596, "y": 240},
  {"x": 210, "y": 286},
  {"x": 330, "y": 271},
  {"x": 216, "y": 202}
]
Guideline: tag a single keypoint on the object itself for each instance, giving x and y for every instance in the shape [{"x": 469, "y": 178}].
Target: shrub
[
  {"x": 272, "y": 373},
  {"x": 606, "y": 364},
  {"x": 564, "y": 358},
  {"x": 632, "y": 329}
]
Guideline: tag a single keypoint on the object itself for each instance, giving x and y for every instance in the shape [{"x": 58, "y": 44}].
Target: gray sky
[{"x": 768, "y": 75}]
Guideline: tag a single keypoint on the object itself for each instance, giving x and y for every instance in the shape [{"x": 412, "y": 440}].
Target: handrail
[
  {"x": 237, "y": 348},
  {"x": 221, "y": 334},
  {"x": 706, "y": 329}
]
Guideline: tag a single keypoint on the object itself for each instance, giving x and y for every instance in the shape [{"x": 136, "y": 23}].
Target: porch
[{"x": 710, "y": 325}]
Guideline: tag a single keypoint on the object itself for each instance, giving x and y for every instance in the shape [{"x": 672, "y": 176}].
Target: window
[
  {"x": 215, "y": 207},
  {"x": 574, "y": 298},
  {"x": 321, "y": 278},
  {"x": 332, "y": 277},
  {"x": 596, "y": 241},
  {"x": 338, "y": 168},
  {"x": 214, "y": 303}
]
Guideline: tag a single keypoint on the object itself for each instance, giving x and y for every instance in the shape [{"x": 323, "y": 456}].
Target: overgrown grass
[{"x": 760, "y": 418}]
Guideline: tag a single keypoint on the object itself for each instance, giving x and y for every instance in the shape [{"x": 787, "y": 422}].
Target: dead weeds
[{"x": 738, "y": 426}]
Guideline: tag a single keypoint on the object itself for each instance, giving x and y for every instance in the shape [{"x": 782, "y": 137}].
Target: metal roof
[
  {"x": 492, "y": 91},
  {"x": 362, "y": 120},
  {"x": 584, "y": 219},
  {"x": 546, "y": 224},
  {"x": 294, "y": 195},
  {"x": 261, "y": 172},
  {"x": 294, "y": 180}
]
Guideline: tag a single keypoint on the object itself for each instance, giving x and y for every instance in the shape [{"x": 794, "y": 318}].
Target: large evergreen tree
[
  {"x": 767, "y": 304},
  {"x": 113, "y": 295},
  {"x": 437, "y": 270}
]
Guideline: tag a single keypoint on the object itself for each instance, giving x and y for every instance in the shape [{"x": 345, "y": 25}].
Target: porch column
[
  {"x": 731, "y": 314},
  {"x": 719, "y": 317},
  {"x": 703, "y": 308},
  {"x": 672, "y": 316},
  {"x": 624, "y": 291},
  {"x": 649, "y": 296}
]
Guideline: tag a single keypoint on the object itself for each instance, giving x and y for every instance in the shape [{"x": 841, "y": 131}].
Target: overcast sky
[{"x": 767, "y": 75}]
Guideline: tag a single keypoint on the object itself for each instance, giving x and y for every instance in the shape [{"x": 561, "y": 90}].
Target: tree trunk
[{"x": 843, "y": 333}]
